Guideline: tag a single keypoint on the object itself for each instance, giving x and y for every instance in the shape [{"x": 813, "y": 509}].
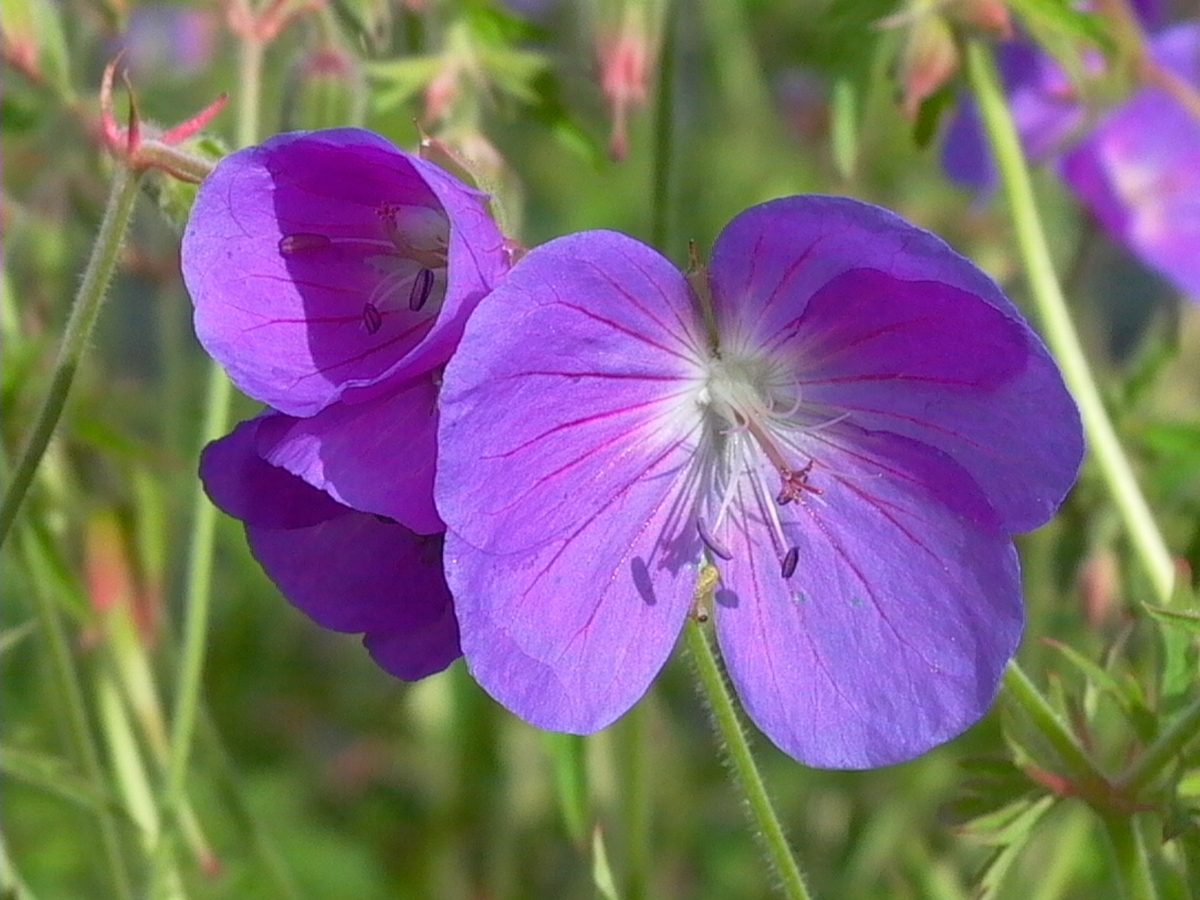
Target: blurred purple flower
[
  {"x": 168, "y": 39},
  {"x": 850, "y": 421},
  {"x": 1138, "y": 171},
  {"x": 348, "y": 570},
  {"x": 327, "y": 265},
  {"x": 1044, "y": 105}
]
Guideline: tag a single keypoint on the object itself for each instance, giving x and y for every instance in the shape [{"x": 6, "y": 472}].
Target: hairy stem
[
  {"x": 729, "y": 728},
  {"x": 84, "y": 311}
]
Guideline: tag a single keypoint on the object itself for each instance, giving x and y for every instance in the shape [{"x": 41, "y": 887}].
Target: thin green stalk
[
  {"x": 1165, "y": 748},
  {"x": 86, "y": 752},
  {"x": 664, "y": 135},
  {"x": 84, "y": 310},
  {"x": 1129, "y": 857},
  {"x": 198, "y": 586},
  {"x": 730, "y": 728},
  {"x": 1023, "y": 691},
  {"x": 1060, "y": 331},
  {"x": 637, "y": 796}
]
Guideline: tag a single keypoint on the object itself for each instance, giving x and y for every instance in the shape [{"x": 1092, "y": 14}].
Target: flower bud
[
  {"x": 324, "y": 89},
  {"x": 930, "y": 59}
]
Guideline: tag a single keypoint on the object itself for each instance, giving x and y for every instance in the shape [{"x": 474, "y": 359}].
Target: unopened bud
[
  {"x": 930, "y": 60},
  {"x": 326, "y": 88},
  {"x": 628, "y": 54}
]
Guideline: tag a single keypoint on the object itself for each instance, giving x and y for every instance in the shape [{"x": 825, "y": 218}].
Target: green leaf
[
  {"x": 930, "y": 113},
  {"x": 58, "y": 777},
  {"x": 399, "y": 80},
  {"x": 1055, "y": 20},
  {"x": 602, "y": 875},
  {"x": 1176, "y": 618},
  {"x": 568, "y": 753},
  {"x": 843, "y": 128}
]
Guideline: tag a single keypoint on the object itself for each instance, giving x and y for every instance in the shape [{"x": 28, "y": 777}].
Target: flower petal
[
  {"x": 355, "y": 573},
  {"x": 376, "y": 456},
  {"x": 289, "y": 328},
  {"x": 1139, "y": 170},
  {"x": 893, "y": 633},
  {"x": 571, "y": 634},
  {"x": 882, "y": 320},
  {"x": 247, "y": 487},
  {"x": 574, "y": 379}
]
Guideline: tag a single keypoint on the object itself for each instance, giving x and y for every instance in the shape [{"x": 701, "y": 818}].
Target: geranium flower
[
  {"x": 348, "y": 570},
  {"x": 1138, "y": 171},
  {"x": 847, "y": 418},
  {"x": 324, "y": 265}
]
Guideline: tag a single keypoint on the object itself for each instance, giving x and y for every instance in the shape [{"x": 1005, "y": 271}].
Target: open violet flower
[
  {"x": 1138, "y": 171},
  {"x": 847, "y": 418},
  {"x": 324, "y": 265},
  {"x": 348, "y": 570}
]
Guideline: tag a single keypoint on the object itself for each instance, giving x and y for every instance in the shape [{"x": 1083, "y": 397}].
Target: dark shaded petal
[
  {"x": 291, "y": 328},
  {"x": 904, "y": 608},
  {"x": 355, "y": 573},
  {"x": 246, "y": 487},
  {"x": 376, "y": 456},
  {"x": 883, "y": 321},
  {"x": 571, "y": 384}
]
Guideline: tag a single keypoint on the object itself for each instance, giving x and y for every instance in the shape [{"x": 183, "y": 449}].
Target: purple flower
[
  {"x": 1139, "y": 170},
  {"x": 348, "y": 570},
  {"x": 1045, "y": 107},
  {"x": 848, "y": 419},
  {"x": 325, "y": 265}
]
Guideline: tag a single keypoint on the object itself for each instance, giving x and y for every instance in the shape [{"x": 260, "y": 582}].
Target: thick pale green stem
[
  {"x": 1059, "y": 330},
  {"x": 84, "y": 311},
  {"x": 742, "y": 760}
]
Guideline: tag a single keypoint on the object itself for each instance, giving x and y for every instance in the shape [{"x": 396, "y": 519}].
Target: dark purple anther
[
  {"x": 421, "y": 289},
  {"x": 790, "y": 561},
  {"x": 372, "y": 318}
]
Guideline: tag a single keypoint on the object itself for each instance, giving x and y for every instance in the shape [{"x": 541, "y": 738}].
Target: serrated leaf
[
  {"x": 399, "y": 80},
  {"x": 997, "y": 865}
]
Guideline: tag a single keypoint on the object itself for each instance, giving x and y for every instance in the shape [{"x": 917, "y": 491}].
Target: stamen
[
  {"x": 717, "y": 548},
  {"x": 302, "y": 242},
  {"x": 372, "y": 319},
  {"x": 795, "y": 483},
  {"x": 422, "y": 287},
  {"x": 790, "y": 560}
]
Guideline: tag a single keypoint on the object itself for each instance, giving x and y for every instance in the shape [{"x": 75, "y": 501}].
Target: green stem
[
  {"x": 730, "y": 728},
  {"x": 637, "y": 796},
  {"x": 1162, "y": 750},
  {"x": 1060, "y": 332},
  {"x": 84, "y": 310},
  {"x": 70, "y": 689},
  {"x": 1129, "y": 857},
  {"x": 664, "y": 134},
  {"x": 1023, "y": 691},
  {"x": 198, "y": 586}
]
